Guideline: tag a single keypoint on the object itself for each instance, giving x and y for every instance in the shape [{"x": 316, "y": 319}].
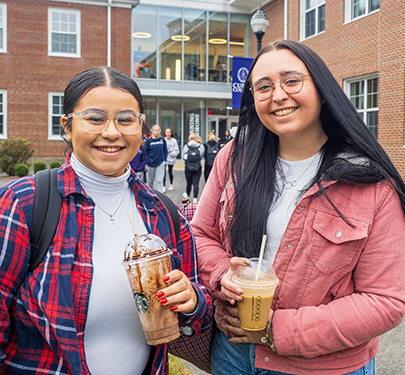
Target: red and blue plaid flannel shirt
[{"x": 43, "y": 314}]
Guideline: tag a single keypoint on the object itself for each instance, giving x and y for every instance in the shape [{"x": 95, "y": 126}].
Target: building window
[
  {"x": 3, "y": 28},
  {"x": 195, "y": 24},
  {"x": 363, "y": 93},
  {"x": 186, "y": 44},
  {"x": 358, "y": 8},
  {"x": 312, "y": 18},
  {"x": 144, "y": 37},
  {"x": 63, "y": 32},
  {"x": 3, "y": 114},
  {"x": 55, "y": 100}
]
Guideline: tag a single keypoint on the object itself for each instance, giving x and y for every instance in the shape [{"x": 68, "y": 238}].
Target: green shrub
[
  {"x": 21, "y": 170},
  {"x": 39, "y": 166},
  {"x": 12, "y": 152},
  {"x": 54, "y": 164}
]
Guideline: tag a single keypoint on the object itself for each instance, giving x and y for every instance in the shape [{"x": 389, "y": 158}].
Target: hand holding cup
[{"x": 180, "y": 296}]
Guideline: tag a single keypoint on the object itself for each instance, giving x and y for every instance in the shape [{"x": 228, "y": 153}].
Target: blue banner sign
[{"x": 240, "y": 70}]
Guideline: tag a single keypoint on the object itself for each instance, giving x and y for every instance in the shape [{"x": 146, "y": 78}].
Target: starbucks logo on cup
[{"x": 141, "y": 302}]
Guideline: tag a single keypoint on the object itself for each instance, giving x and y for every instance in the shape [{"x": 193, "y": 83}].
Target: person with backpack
[
  {"x": 211, "y": 149},
  {"x": 193, "y": 152},
  {"x": 156, "y": 149},
  {"x": 74, "y": 313}
]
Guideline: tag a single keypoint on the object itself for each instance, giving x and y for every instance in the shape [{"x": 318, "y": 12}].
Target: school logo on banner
[{"x": 240, "y": 71}]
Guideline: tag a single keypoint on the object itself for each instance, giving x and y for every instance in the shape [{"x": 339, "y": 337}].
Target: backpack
[
  {"x": 211, "y": 154},
  {"x": 192, "y": 162},
  {"x": 47, "y": 207}
]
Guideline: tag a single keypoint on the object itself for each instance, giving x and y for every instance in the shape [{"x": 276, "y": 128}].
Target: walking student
[
  {"x": 193, "y": 152},
  {"x": 306, "y": 171},
  {"x": 172, "y": 152},
  {"x": 138, "y": 163},
  {"x": 211, "y": 149},
  {"x": 156, "y": 150}
]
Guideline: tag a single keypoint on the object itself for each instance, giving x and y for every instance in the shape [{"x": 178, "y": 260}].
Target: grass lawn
[{"x": 177, "y": 366}]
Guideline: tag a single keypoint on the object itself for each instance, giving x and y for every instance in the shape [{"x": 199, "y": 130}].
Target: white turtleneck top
[{"x": 114, "y": 341}]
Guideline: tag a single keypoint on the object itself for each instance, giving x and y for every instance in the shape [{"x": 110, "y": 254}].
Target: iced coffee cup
[
  {"x": 147, "y": 260},
  {"x": 258, "y": 291}
]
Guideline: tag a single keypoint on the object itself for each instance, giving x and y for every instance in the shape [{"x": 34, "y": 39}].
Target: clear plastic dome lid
[
  {"x": 251, "y": 276},
  {"x": 145, "y": 246}
]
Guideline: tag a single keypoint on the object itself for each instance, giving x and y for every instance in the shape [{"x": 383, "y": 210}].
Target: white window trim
[
  {"x": 302, "y": 22},
  {"x": 61, "y": 54},
  {"x": 4, "y": 49},
  {"x": 348, "y": 12},
  {"x": 52, "y": 137},
  {"x": 346, "y": 88},
  {"x": 4, "y": 134}
]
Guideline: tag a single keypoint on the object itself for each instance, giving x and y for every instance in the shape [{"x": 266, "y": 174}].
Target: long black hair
[
  {"x": 91, "y": 78},
  {"x": 256, "y": 149}
]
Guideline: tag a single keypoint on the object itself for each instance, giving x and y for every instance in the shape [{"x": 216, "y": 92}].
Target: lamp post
[{"x": 259, "y": 23}]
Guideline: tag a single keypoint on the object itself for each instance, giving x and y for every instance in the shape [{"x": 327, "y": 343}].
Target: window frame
[
  {"x": 4, "y": 13},
  {"x": 303, "y": 25},
  {"x": 4, "y": 113},
  {"x": 349, "y": 11},
  {"x": 51, "y": 94},
  {"x": 78, "y": 33},
  {"x": 365, "y": 110}
]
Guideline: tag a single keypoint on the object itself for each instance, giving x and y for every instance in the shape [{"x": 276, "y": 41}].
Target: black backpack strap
[
  {"x": 171, "y": 207},
  {"x": 47, "y": 207}
]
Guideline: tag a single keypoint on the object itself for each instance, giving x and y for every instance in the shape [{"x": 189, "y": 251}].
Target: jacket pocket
[{"x": 334, "y": 243}]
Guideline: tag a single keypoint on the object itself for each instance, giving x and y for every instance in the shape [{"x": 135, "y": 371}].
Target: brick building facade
[
  {"x": 356, "y": 48},
  {"x": 28, "y": 73}
]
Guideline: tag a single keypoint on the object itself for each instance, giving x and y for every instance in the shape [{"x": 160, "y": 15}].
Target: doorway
[{"x": 220, "y": 124}]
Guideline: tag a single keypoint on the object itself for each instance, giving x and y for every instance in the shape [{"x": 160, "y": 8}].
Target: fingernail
[
  {"x": 239, "y": 298},
  {"x": 173, "y": 308},
  {"x": 247, "y": 262},
  {"x": 163, "y": 301},
  {"x": 166, "y": 279},
  {"x": 240, "y": 291},
  {"x": 160, "y": 294}
]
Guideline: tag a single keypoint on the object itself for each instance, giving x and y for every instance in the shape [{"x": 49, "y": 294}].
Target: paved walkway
[{"x": 391, "y": 358}]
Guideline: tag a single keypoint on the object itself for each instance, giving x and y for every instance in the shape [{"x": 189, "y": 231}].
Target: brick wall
[
  {"x": 28, "y": 73},
  {"x": 372, "y": 44}
]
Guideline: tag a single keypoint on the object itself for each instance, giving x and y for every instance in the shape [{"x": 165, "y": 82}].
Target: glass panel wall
[
  {"x": 170, "y": 36},
  {"x": 195, "y": 24},
  {"x": 150, "y": 110},
  {"x": 239, "y": 41},
  {"x": 170, "y": 117},
  {"x": 143, "y": 30},
  {"x": 217, "y": 47}
]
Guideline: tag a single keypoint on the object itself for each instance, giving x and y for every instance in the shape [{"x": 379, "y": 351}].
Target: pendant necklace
[
  {"x": 293, "y": 183},
  {"x": 116, "y": 210}
]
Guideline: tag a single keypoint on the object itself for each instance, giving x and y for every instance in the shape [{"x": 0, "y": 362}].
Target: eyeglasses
[
  {"x": 95, "y": 121},
  {"x": 291, "y": 83}
]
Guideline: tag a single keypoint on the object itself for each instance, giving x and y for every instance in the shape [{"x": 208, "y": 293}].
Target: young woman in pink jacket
[{"x": 305, "y": 170}]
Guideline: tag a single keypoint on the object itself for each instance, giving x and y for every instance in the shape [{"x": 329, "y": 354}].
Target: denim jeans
[
  {"x": 159, "y": 173},
  {"x": 239, "y": 359}
]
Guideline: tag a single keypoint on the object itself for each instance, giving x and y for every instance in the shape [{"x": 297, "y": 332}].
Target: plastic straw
[
  {"x": 259, "y": 265},
  {"x": 131, "y": 219}
]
